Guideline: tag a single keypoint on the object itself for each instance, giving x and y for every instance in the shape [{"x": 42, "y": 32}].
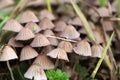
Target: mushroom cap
[
  {"x": 48, "y": 32},
  {"x": 39, "y": 41},
  {"x": 97, "y": 50},
  {"x": 14, "y": 43},
  {"x": 70, "y": 33},
  {"x": 28, "y": 53},
  {"x": 75, "y": 21},
  {"x": 67, "y": 46},
  {"x": 60, "y": 26},
  {"x": 25, "y": 34},
  {"x": 46, "y": 14},
  {"x": 58, "y": 53},
  {"x": 33, "y": 27},
  {"x": 44, "y": 62},
  {"x": 35, "y": 72},
  {"x": 46, "y": 23},
  {"x": 4, "y": 3},
  {"x": 12, "y": 25},
  {"x": 28, "y": 16},
  {"x": 83, "y": 48},
  {"x": 7, "y": 53}
]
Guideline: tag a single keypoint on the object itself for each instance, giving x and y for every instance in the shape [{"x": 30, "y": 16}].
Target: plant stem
[
  {"x": 102, "y": 58},
  {"x": 11, "y": 73},
  {"x": 49, "y": 5},
  {"x": 84, "y": 21}
]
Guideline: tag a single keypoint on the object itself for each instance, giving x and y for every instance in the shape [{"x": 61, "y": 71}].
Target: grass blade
[
  {"x": 84, "y": 21},
  {"x": 103, "y": 56},
  {"x": 102, "y": 3},
  {"x": 49, "y": 5}
]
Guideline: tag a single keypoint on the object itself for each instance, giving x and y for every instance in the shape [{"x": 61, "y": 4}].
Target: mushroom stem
[
  {"x": 56, "y": 63},
  {"x": 11, "y": 73}
]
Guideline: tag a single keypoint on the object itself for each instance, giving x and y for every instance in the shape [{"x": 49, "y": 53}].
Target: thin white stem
[
  {"x": 11, "y": 73},
  {"x": 60, "y": 38}
]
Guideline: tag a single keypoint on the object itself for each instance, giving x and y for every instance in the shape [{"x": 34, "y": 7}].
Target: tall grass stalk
[
  {"x": 102, "y": 3},
  {"x": 103, "y": 57},
  {"x": 49, "y": 5},
  {"x": 84, "y": 21}
]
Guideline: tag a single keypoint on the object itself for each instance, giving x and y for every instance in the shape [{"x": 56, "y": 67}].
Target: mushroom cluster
[{"x": 46, "y": 38}]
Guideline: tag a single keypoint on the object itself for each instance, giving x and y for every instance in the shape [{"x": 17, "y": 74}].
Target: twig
[{"x": 60, "y": 38}]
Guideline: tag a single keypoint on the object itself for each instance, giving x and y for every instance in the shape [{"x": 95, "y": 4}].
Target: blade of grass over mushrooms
[
  {"x": 35, "y": 72},
  {"x": 28, "y": 53},
  {"x": 102, "y": 57},
  {"x": 49, "y": 5},
  {"x": 44, "y": 62},
  {"x": 84, "y": 21}
]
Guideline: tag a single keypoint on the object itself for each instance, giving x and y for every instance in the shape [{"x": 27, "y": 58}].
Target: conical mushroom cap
[
  {"x": 28, "y": 16},
  {"x": 98, "y": 36},
  {"x": 67, "y": 46},
  {"x": 83, "y": 48},
  {"x": 46, "y": 14},
  {"x": 33, "y": 27},
  {"x": 4, "y": 3},
  {"x": 35, "y": 72},
  {"x": 7, "y": 53},
  {"x": 25, "y": 34},
  {"x": 44, "y": 62},
  {"x": 48, "y": 32},
  {"x": 60, "y": 26},
  {"x": 28, "y": 53},
  {"x": 12, "y": 25},
  {"x": 47, "y": 49},
  {"x": 70, "y": 33},
  {"x": 58, "y": 53},
  {"x": 39, "y": 41},
  {"x": 46, "y": 24},
  {"x": 14, "y": 43},
  {"x": 97, "y": 50},
  {"x": 75, "y": 21}
]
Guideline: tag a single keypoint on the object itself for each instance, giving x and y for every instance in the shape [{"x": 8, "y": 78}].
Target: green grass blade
[
  {"x": 49, "y": 5},
  {"x": 103, "y": 56},
  {"x": 84, "y": 21},
  {"x": 102, "y": 3}
]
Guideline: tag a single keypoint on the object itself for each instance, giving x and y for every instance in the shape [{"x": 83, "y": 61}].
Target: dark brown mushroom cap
[
  {"x": 28, "y": 53},
  {"x": 33, "y": 27},
  {"x": 44, "y": 62},
  {"x": 25, "y": 34},
  {"x": 14, "y": 43},
  {"x": 46, "y": 23},
  {"x": 83, "y": 48},
  {"x": 12, "y": 25},
  {"x": 39, "y": 41},
  {"x": 7, "y": 54},
  {"x": 28, "y": 16},
  {"x": 58, "y": 53}
]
